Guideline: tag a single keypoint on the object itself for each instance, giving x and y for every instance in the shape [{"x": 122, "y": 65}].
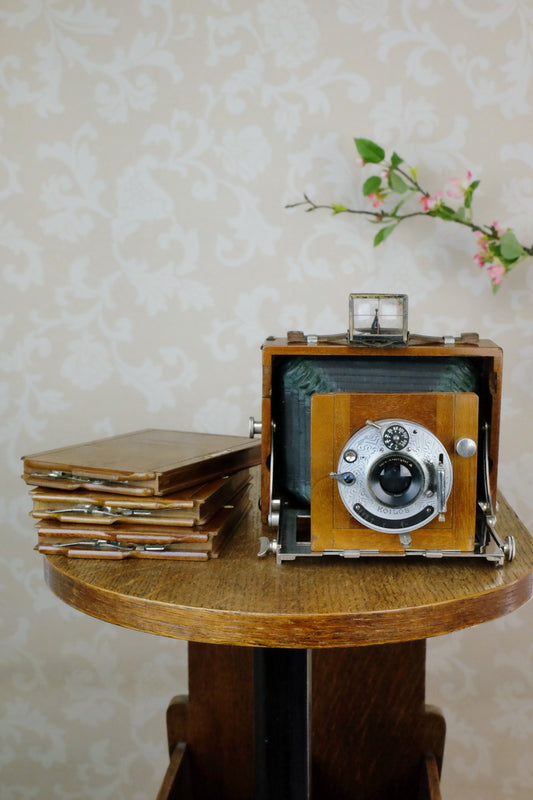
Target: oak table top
[{"x": 321, "y": 602}]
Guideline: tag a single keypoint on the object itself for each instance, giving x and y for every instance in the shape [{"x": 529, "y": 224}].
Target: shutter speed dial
[{"x": 395, "y": 437}]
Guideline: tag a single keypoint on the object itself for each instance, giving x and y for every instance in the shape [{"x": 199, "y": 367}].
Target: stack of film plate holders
[{"x": 146, "y": 494}]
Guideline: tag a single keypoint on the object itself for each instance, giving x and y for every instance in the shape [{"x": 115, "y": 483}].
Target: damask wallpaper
[{"x": 148, "y": 149}]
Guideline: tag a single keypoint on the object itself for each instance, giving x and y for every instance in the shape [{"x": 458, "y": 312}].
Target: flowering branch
[{"x": 498, "y": 249}]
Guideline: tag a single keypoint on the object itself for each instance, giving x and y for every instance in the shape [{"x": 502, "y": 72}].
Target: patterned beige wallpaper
[{"x": 148, "y": 149}]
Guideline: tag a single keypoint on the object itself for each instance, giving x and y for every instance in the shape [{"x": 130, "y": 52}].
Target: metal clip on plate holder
[
  {"x": 95, "y": 510},
  {"x": 63, "y": 475},
  {"x": 111, "y": 544}
]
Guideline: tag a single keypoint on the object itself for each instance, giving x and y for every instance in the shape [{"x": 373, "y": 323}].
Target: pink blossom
[
  {"x": 428, "y": 203},
  {"x": 454, "y": 193},
  {"x": 479, "y": 259},
  {"x": 496, "y": 272},
  {"x": 461, "y": 185},
  {"x": 375, "y": 199},
  {"x": 499, "y": 229},
  {"x": 360, "y": 161},
  {"x": 482, "y": 242}
]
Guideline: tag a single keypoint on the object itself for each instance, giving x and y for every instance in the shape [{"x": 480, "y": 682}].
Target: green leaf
[
  {"x": 510, "y": 247},
  {"x": 460, "y": 214},
  {"x": 338, "y": 208},
  {"x": 369, "y": 151},
  {"x": 384, "y": 233},
  {"x": 396, "y": 183},
  {"x": 395, "y": 161},
  {"x": 444, "y": 212},
  {"x": 372, "y": 184},
  {"x": 469, "y": 192}
]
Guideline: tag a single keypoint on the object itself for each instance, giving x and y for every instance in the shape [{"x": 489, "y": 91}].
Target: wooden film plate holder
[{"x": 306, "y": 678}]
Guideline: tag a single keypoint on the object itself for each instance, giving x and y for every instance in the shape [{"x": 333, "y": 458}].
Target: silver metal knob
[
  {"x": 465, "y": 447},
  {"x": 267, "y": 546},
  {"x": 254, "y": 427},
  {"x": 509, "y": 548}
]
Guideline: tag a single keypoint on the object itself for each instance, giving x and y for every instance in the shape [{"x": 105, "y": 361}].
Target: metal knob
[
  {"x": 509, "y": 548},
  {"x": 465, "y": 447},
  {"x": 266, "y": 546},
  {"x": 254, "y": 427}
]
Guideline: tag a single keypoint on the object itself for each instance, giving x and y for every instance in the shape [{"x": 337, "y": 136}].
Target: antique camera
[{"x": 376, "y": 442}]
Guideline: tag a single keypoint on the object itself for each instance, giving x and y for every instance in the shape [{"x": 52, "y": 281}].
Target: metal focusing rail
[{"x": 287, "y": 547}]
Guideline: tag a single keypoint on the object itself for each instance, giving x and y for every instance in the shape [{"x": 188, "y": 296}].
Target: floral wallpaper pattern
[{"x": 147, "y": 151}]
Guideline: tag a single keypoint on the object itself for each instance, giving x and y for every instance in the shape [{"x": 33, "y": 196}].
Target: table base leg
[
  {"x": 371, "y": 728},
  {"x": 372, "y": 736}
]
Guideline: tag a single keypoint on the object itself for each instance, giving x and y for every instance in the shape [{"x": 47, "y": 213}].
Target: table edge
[{"x": 291, "y": 630}]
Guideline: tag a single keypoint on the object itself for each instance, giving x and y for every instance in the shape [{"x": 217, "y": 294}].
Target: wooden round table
[{"x": 349, "y": 633}]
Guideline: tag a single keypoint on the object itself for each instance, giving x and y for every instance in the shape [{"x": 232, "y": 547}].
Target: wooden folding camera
[{"x": 378, "y": 443}]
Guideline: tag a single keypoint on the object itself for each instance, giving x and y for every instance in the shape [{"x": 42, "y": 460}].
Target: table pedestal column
[
  {"x": 282, "y": 724},
  {"x": 371, "y": 735}
]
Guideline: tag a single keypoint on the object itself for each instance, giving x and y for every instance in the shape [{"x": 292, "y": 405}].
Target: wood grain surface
[
  {"x": 314, "y": 602},
  {"x": 370, "y": 729}
]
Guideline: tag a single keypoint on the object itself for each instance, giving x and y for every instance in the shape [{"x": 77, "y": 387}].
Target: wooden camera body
[{"x": 381, "y": 450}]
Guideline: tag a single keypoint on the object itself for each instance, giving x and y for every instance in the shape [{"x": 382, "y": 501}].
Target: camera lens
[{"x": 396, "y": 480}]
